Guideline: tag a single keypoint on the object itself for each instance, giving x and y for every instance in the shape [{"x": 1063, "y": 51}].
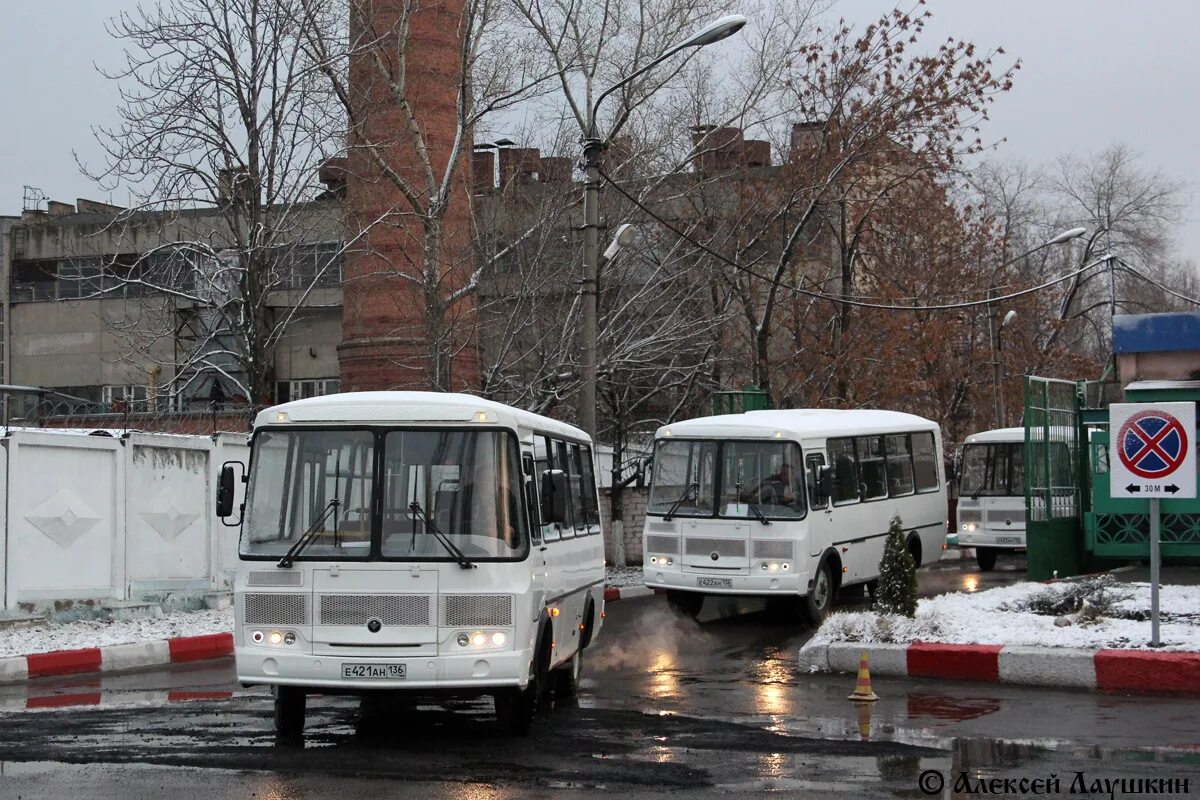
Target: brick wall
[{"x": 633, "y": 519}]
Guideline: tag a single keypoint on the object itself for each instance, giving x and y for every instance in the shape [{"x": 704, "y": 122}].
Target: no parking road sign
[{"x": 1153, "y": 450}]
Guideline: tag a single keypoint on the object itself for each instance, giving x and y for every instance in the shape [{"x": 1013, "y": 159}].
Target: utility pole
[{"x": 593, "y": 152}]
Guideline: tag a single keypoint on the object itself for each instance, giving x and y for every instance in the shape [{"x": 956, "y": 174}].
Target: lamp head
[
  {"x": 715, "y": 31},
  {"x": 1009, "y": 317},
  {"x": 1066, "y": 236}
]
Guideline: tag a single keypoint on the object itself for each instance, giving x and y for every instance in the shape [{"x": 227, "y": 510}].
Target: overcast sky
[{"x": 1093, "y": 73}]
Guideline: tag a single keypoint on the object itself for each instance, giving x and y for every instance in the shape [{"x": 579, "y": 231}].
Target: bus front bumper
[
  {"x": 483, "y": 670},
  {"x": 777, "y": 583}
]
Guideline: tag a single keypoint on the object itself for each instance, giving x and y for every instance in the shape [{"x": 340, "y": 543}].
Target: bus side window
[
  {"x": 845, "y": 472},
  {"x": 899, "y": 464},
  {"x": 815, "y": 462},
  {"x": 543, "y": 464},
  {"x": 562, "y": 462},
  {"x": 588, "y": 472},
  {"x": 871, "y": 469},
  {"x": 925, "y": 459}
]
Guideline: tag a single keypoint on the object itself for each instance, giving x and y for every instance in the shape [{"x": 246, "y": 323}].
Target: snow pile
[
  {"x": 99, "y": 633},
  {"x": 1092, "y": 615}
]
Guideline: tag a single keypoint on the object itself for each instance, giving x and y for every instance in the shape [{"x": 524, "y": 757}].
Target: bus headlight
[
  {"x": 482, "y": 640},
  {"x": 664, "y": 561},
  {"x": 775, "y": 566},
  {"x": 257, "y": 637},
  {"x": 969, "y": 527},
  {"x": 289, "y": 638}
]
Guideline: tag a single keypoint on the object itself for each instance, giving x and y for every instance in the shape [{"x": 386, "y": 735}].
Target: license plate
[
  {"x": 715, "y": 583},
  {"x": 384, "y": 671},
  {"x": 1008, "y": 540}
]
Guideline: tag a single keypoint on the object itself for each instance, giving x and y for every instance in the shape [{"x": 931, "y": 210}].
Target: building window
[
  {"x": 286, "y": 391},
  {"x": 125, "y": 398}
]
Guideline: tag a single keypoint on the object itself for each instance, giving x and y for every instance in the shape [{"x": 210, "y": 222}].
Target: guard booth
[{"x": 1073, "y": 523}]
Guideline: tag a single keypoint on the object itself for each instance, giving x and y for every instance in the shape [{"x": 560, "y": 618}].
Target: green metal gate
[{"x": 1054, "y": 465}]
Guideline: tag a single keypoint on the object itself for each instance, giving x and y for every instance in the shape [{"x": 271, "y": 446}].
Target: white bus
[
  {"x": 415, "y": 541},
  {"x": 790, "y": 503},
  {"x": 991, "y": 494}
]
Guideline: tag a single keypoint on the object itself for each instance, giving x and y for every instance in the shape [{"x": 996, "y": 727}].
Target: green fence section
[
  {"x": 748, "y": 398},
  {"x": 1054, "y": 490},
  {"x": 1072, "y": 519}
]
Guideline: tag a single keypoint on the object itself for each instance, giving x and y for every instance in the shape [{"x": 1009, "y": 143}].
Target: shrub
[{"x": 897, "y": 589}]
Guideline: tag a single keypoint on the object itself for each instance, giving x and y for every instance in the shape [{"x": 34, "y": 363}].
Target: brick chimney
[
  {"x": 717, "y": 149},
  {"x": 557, "y": 169},
  {"x": 483, "y": 171},
  {"x": 519, "y": 165},
  {"x": 385, "y": 336}
]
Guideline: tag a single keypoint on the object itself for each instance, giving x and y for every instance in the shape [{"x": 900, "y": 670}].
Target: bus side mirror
[
  {"x": 643, "y": 473},
  {"x": 554, "y": 496},
  {"x": 226, "y": 490}
]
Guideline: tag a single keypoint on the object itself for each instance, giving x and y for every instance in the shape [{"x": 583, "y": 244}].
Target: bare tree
[{"x": 223, "y": 110}]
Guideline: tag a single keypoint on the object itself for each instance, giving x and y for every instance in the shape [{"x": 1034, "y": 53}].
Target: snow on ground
[
  {"x": 1003, "y": 616},
  {"x": 623, "y": 576},
  {"x": 99, "y": 633}
]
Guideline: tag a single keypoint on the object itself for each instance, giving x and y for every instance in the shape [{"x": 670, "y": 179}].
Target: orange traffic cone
[
  {"x": 864, "y": 720},
  {"x": 862, "y": 690}
]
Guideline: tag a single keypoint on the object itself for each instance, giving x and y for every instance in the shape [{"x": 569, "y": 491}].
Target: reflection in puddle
[
  {"x": 955, "y": 709},
  {"x": 664, "y": 678}
]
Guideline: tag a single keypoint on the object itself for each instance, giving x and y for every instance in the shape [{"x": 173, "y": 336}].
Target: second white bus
[
  {"x": 789, "y": 503},
  {"x": 991, "y": 494}
]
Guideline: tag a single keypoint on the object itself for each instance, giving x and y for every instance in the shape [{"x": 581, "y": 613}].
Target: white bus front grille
[
  {"x": 668, "y": 545},
  {"x": 970, "y": 515},
  {"x": 730, "y": 548},
  {"x": 359, "y": 609},
  {"x": 276, "y": 609},
  {"x": 476, "y": 610},
  {"x": 275, "y": 577},
  {"x": 772, "y": 549},
  {"x": 1013, "y": 515}
]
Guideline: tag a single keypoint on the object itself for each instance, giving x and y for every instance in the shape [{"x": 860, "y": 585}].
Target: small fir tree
[{"x": 897, "y": 590}]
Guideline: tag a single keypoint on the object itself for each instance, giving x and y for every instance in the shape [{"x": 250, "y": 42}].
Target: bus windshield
[
  {"x": 436, "y": 486},
  {"x": 993, "y": 470}
]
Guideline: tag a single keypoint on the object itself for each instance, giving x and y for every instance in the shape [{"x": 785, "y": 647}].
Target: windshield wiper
[
  {"x": 432, "y": 527},
  {"x": 758, "y": 512},
  {"x": 687, "y": 493},
  {"x": 310, "y": 534}
]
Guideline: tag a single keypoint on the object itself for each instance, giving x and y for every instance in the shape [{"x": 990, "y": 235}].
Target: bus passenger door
[
  {"x": 820, "y": 522},
  {"x": 539, "y": 567}
]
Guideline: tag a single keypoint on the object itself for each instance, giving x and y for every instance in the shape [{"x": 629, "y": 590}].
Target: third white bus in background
[{"x": 789, "y": 504}]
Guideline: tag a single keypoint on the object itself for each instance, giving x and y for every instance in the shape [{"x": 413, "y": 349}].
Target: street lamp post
[
  {"x": 593, "y": 152},
  {"x": 995, "y": 327}
]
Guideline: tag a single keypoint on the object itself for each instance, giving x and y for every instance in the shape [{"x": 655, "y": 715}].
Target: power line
[
  {"x": 844, "y": 300},
  {"x": 1148, "y": 279}
]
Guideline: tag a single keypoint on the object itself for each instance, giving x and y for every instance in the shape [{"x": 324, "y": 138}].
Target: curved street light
[
  {"x": 995, "y": 327},
  {"x": 593, "y": 149}
]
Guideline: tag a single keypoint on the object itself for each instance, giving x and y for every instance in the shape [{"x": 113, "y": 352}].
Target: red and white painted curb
[
  {"x": 1104, "y": 670},
  {"x": 613, "y": 593},
  {"x": 116, "y": 658}
]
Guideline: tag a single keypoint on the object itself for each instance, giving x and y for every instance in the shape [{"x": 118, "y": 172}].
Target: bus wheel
[
  {"x": 820, "y": 598},
  {"x": 686, "y": 603},
  {"x": 515, "y": 708},
  {"x": 986, "y": 558},
  {"x": 290, "y": 705},
  {"x": 566, "y": 677}
]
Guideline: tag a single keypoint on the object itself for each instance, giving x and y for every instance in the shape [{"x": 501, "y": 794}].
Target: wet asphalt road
[{"x": 703, "y": 708}]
